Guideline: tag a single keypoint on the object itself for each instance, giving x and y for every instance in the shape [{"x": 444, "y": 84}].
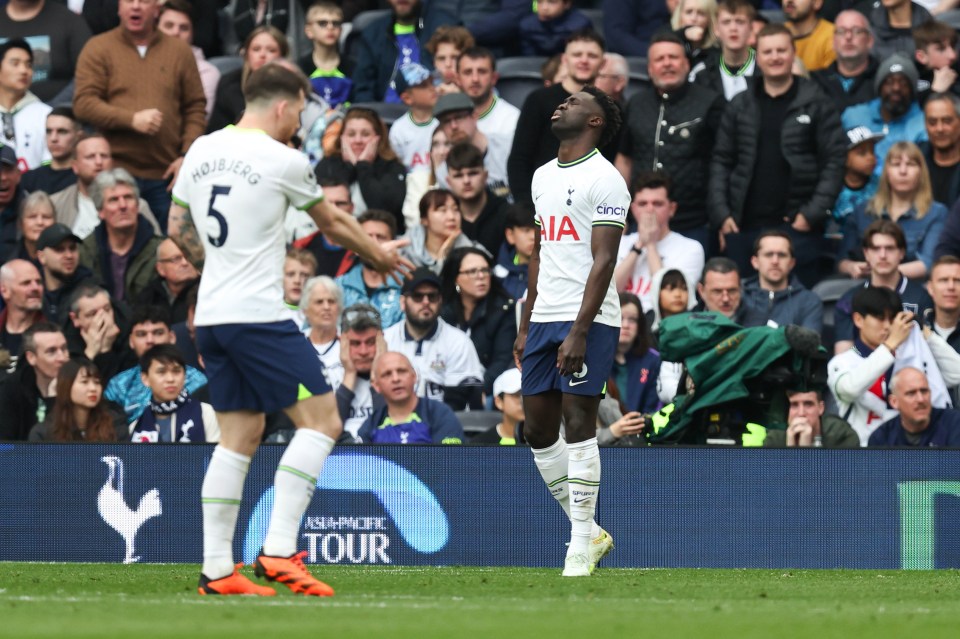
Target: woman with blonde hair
[
  {"x": 696, "y": 22},
  {"x": 904, "y": 196}
]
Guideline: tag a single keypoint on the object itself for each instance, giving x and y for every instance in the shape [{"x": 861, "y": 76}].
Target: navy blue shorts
[
  {"x": 262, "y": 367},
  {"x": 540, "y": 373}
]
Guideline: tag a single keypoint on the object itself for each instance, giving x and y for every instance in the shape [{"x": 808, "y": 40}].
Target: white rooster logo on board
[{"x": 118, "y": 515}]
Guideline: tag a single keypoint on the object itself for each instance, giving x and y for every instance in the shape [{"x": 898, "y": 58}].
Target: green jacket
[
  {"x": 835, "y": 431},
  {"x": 95, "y": 255}
]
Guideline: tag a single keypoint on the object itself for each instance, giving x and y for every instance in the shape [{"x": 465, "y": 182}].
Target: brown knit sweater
[{"x": 113, "y": 82}]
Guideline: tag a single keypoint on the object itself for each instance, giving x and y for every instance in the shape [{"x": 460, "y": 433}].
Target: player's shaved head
[{"x": 276, "y": 80}]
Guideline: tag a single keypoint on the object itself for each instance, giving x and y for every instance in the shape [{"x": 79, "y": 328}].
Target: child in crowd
[
  {"x": 410, "y": 135},
  {"x": 173, "y": 416},
  {"x": 514, "y": 258},
  {"x": 507, "y": 399},
  {"x": 323, "y": 26},
  {"x": 935, "y": 56},
  {"x": 545, "y": 33},
  {"x": 859, "y": 181},
  {"x": 672, "y": 292},
  {"x": 446, "y": 45},
  {"x": 737, "y": 61}
]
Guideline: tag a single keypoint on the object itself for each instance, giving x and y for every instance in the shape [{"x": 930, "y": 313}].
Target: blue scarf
[{"x": 186, "y": 412}]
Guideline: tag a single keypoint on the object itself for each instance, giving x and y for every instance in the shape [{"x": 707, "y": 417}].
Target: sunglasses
[
  {"x": 432, "y": 296},
  {"x": 355, "y": 315}
]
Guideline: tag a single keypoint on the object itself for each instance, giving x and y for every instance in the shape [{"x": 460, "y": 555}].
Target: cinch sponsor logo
[
  {"x": 603, "y": 209},
  {"x": 407, "y": 502}
]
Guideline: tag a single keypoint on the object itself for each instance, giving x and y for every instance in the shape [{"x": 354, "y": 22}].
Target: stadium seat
[
  {"x": 520, "y": 66},
  {"x": 951, "y": 17},
  {"x": 226, "y": 63},
  {"x": 360, "y": 22},
  {"x": 519, "y": 77},
  {"x": 829, "y": 291},
  {"x": 775, "y": 16},
  {"x": 596, "y": 16},
  {"x": 639, "y": 77},
  {"x": 475, "y": 422},
  {"x": 389, "y": 112}
]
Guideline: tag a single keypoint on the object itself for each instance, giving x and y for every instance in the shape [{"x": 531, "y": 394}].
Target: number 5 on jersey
[{"x": 217, "y": 215}]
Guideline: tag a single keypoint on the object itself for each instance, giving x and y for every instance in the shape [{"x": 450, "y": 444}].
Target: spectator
[
  {"x": 28, "y": 393},
  {"x": 362, "y": 158},
  {"x": 884, "y": 246},
  {"x": 778, "y": 160},
  {"x": 36, "y": 214},
  {"x": 544, "y": 32},
  {"x": 534, "y": 143},
  {"x": 79, "y": 413},
  {"x": 363, "y": 283},
  {"x": 728, "y": 72},
  {"x": 513, "y": 259},
  {"x": 250, "y": 15},
  {"x": 499, "y": 26},
  {"x": 321, "y": 303},
  {"x": 150, "y": 125},
  {"x": 719, "y": 288},
  {"x": 410, "y": 135},
  {"x": 446, "y": 46},
  {"x": 21, "y": 289},
  {"x": 680, "y": 148},
  {"x": 774, "y": 297},
  {"x": 892, "y": 23},
  {"x": 171, "y": 284},
  {"x": 630, "y": 24},
  {"x": 185, "y": 332},
  {"x": 62, "y": 272},
  {"x": 332, "y": 260},
  {"x": 53, "y": 27},
  {"x": 896, "y": 112},
  {"x": 61, "y": 135},
  {"x": 808, "y": 425},
  {"x": 812, "y": 35},
  {"x": 420, "y": 182},
  {"x": 24, "y": 115},
  {"x": 940, "y": 322},
  {"x": 636, "y": 364},
  {"x": 695, "y": 21},
  {"x": 477, "y": 305},
  {"x": 496, "y": 118},
  {"x": 942, "y": 151},
  {"x": 360, "y": 343},
  {"x": 654, "y": 247},
  {"x": 328, "y": 72},
  {"x": 73, "y": 205},
  {"x": 263, "y": 45},
  {"x": 918, "y": 424},
  {"x": 552, "y": 71},
  {"x": 448, "y": 367},
  {"x": 508, "y": 400},
  {"x": 99, "y": 330},
  {"x": 860, "y": 183},
  {"x": 613, "y": 77},
  {"x": 176, "y": 21},
  {"x": 482, "y": 214},
  {"x": 149, "y": 326},
  {"x": 455, "y": 113},
  {"x": 905, "y": 197},
  {"x": 11, "y": 198},
  {"x": 850, "y": 79},
  {"x": 172, "y": 415},
  {"x": 298, "y": 266},
  {"x": 122, "y": 250},
  {"x": 438, "y": 233},
  {"x": 935, "y": 55},
  {"x": 405, "y": 417},
  {"x": 406, "y": 30}
]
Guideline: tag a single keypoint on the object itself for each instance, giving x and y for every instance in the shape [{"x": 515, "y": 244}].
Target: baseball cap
[
  {"x": 412, "y": 75},
  {"x": 507, "y": 382},
  {"x": 53, "y": 235},
  {"x": 897, "y": 64},
  {"x": 360, "y": 317},
  {"x": 422, "y": 275},
  {"x": 451, "y": 102},
  {"x": 860, "y": 134},
  {"x": 8, "y": 155}
]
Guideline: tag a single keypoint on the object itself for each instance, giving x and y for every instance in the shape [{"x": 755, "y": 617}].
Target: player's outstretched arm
[
  {"x": 344, "y": 229},
  {"x": 604, "y": 242},
  {"x": 183, "y": 231},
  {"x": 533, "y": 274}
]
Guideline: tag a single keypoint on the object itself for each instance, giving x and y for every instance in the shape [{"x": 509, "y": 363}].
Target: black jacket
[
  {"x": 954, "y": 192},
  {"x": 830, "y": 82},
  {"x": 155, "y": 294},
  {"x": 674, "y": 133},
  {"x": 228, "y": 105},
  {"x": 492, "y": 329},
  {"x": 20, "y": 403},
  {"x": 56, "y": 303},
  {"x": 382, "y": 183},
  {"x": 813, "y": 144}
]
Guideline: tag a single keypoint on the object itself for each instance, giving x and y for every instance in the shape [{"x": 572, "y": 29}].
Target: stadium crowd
[{"x": 803, "y": 173}]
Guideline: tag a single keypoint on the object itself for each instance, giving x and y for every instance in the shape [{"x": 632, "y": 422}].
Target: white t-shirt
[
  {"x": 237, "y": 184},
  {"x": 570, "y": 199},
  {"x": 446, "y": 358},
  {"x": 676, "y": 252},
  {"x": 360, "y": 408},
  {"x": 30, "y": 132},
  {"x": 411, "y": 142},
  {"x": 498, "y": 123}
]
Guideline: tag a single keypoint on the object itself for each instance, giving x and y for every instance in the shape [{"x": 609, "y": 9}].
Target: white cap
[{"x": 508, "y": 382}]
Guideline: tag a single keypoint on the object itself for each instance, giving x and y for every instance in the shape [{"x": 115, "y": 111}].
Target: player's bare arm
[
  {"x": 604, "y": 242},
  {"x": 533, "y": 272},
  {"x": 344, "y": 229},
  {"x": 183, "y": 231}
]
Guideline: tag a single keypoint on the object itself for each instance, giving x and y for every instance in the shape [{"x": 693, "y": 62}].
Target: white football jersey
[
  {"x": 498, "y": 123},
  {"x": 238, "y": 184},
  {"x": 411, "y": 142},
  {"x": 570, "y": 199}
]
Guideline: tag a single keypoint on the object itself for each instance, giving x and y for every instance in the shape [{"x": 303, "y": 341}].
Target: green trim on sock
[
  {"x": 556, "y": 481},
  {"x": 583, "y": 482},
  {"x": 299, "y": 473},
  {"x": 219, "y": 500}
]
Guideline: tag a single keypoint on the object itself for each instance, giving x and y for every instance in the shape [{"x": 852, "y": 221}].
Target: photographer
[{"x": 808, "y": 426}]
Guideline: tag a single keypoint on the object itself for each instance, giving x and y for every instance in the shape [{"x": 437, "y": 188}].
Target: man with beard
[
  {"x": 849, "y": 80},
  {"x": 942, "y": 118},
  {"x": 773, "y": 297},
  {"x": 59, "y": 255},
  {"x": 812, "y": 35},
  {"x": 448, "y": 366},
  {"x": 896, "y": 112},
  {"x": 361, "y": 341},
  {"x": 22, "y": 291},
  {"x": 458, "y": 120},
  {"x": 496, "y": 118}
]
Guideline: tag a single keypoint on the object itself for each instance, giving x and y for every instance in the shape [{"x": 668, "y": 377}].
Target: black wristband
[{"x": 638, "y": 251}]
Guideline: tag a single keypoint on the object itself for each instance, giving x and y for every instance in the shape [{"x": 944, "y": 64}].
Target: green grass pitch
[{"x": 104, "y": 601}]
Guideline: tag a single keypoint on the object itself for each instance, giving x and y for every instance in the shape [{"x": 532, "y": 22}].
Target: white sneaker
[
  {"x": 600, "y": 547},
  {"x": 577, "y": 565}
]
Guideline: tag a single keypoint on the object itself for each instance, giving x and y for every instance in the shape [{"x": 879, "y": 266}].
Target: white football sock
[
  {"x": 552, "y": 464},
  {"x": 294, "y": 483},
  {"x": 583, "y": 479},
  {"x": 220, "y": 500}
]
